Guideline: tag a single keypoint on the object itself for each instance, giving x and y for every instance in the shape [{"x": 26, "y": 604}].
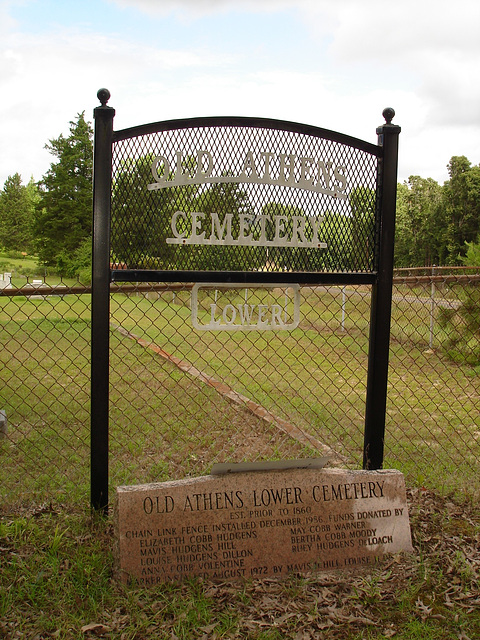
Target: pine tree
[
  {"x": 462, "y": 205},
  {"x": 63, "y": 216},
  {"x": 17, "y": 204}
]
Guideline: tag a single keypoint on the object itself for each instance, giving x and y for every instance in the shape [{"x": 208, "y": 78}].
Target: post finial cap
[
  {"x": 388, "y": 114},
  {"x": 104, "y": 96}
]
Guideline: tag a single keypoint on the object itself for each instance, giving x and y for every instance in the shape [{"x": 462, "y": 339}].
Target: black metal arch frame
[{"x": 379, "y": 277}]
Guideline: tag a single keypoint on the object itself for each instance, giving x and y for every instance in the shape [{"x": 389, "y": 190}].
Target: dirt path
[{"x": 240, "y": 400}]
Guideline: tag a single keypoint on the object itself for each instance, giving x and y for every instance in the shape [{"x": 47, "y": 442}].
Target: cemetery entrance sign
[{"x": 241, "y": 202}]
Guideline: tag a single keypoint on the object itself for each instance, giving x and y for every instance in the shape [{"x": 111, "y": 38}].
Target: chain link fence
[{"x": 185, "y": 395}]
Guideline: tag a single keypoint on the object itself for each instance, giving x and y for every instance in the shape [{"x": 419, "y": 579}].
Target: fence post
[
  {"x": 102, "y": 180},
  {"x": 432, "y": 309},
  {"x": 381, "y": 304}
]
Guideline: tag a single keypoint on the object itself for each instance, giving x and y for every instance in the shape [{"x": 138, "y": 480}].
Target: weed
[
  {"x": 56, "y": 540},
  {"x": 368, "y": 590}
]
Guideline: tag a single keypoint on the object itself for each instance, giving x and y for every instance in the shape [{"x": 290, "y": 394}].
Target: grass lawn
[
  {"x": 25, "y": 268},
  {"x": 166, "y": 423},
  {"x": 17, "y": 264},
  {"x": 56, "y": 582},
  {"x": 56, "y": 562}
]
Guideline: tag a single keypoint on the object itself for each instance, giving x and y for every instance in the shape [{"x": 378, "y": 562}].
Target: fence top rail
[
  {"x": 43, "y": 290},
  {"x": 30, "y": 291},
  {"x": 443, "y": 279},
  {"x": 435, "y": 269},
  {"x": 247, "y": 123},
  {"x": 143, "y": 286}
]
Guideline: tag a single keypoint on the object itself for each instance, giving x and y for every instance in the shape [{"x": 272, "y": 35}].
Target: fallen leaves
[
  {"x": 438, "y": 585},
  {"x": 96, "y": 628}
]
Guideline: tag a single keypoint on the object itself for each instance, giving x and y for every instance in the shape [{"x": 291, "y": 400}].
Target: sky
[{"x": 335, "y": 64}]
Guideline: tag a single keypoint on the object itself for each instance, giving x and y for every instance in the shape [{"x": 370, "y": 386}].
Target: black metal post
[
  {"x": 380, "y": 314},
  {"x": 102, "y": 172}
]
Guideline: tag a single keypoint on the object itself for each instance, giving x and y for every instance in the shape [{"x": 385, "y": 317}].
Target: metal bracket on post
[
  {"x": 380, "y": 315},
  {"x": 102, "y": 179}
]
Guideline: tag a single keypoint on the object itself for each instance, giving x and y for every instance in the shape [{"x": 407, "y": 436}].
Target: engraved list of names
[{"x": 260, "y": 524}]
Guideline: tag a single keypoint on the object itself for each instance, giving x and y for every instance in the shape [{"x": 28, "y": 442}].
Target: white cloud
[
  {"x": 196, "y": 8},
  {"x": 7, "y": 23},
  {"x": 376, "y": 29},
  {"x": 433, "y": 44},
  {"x": 49, "y": 79},
  {"x": 422, "y": 63},
  {"x": 430, "y": 49}
]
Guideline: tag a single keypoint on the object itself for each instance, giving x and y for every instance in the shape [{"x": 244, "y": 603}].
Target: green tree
[
  {"x": 336, "y": 232},
  {"x": 402, "y": 227},
  {"x": 63, "y": 216},
  {"x": 223, "y": 198},
  {"x": 282, "y": 257},
  {"x": 297, "y": 258},
  {"x": 472, "y": 257},
  {"x": 17, "y": 205},
  {"x": 141, "y": 217},
  {"x": 462, "y": 323},
  {"x": 462, "y": 206},
  {"x": 362, "y": 204},
  {"x": 420, "y": 232}
]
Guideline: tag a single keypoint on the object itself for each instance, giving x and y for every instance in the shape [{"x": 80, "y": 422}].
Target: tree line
[
  {"x": 437, "y": 225},
  {"x": 52, "y": 219}
]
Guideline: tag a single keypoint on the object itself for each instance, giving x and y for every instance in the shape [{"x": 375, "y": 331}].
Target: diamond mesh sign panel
[{"x": 206, "y": 196}]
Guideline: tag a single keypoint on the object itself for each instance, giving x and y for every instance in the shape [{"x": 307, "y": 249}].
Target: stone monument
[{"x": 260, "y": 524}]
